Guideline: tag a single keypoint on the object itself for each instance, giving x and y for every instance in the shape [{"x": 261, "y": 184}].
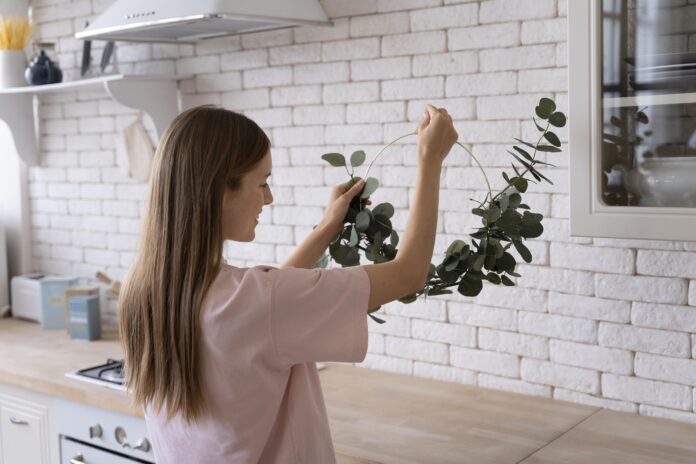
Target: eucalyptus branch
[{"x": 465, "y": 265}]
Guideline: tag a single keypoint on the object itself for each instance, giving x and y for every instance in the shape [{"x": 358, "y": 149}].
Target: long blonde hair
[{"x": 204, "y": 150}]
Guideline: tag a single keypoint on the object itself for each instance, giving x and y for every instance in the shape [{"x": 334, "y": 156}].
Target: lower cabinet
[{"x": 25, "y": 428}]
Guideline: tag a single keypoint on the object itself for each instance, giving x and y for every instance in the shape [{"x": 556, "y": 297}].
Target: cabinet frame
[{"x": 589, "y": 216}]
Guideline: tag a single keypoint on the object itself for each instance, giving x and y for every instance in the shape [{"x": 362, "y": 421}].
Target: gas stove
[{"x": 107, "y": 375}]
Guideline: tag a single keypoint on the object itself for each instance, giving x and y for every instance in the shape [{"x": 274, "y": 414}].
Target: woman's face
[{"x": 241, "y": 207}]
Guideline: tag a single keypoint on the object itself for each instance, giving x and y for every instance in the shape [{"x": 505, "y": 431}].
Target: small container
[
  {"x": 73, "y": 291},
  {"x": 53, "y": 300},
  {"x": 85, "y": 318}
]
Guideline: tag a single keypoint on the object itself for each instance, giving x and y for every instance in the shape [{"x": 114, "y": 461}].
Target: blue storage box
[
  {"x": 84, "y": 316},
  {"x": 53, "y": 300}
]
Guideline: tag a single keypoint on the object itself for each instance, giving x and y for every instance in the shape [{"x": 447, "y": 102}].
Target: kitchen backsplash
[{"x": 605, "y": 322}]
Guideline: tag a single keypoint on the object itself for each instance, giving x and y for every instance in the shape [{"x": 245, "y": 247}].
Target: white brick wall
[{"x": 605, "y": 322}]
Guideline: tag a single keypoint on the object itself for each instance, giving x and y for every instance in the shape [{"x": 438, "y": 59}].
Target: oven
[{"x": 97, "y": 436}]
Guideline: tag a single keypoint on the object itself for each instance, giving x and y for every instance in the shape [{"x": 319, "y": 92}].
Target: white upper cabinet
[{"x": 632, "y": 118}]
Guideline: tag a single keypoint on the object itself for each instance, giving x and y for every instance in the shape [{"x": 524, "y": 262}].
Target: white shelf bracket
[
  {"x": 17, "y": 111},
  {"x": 157, "y": 98}
]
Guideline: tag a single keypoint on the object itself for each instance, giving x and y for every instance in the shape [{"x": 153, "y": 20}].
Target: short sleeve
[{"x": 319, "y": 314}]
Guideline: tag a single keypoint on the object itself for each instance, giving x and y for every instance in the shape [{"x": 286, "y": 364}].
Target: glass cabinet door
[{"x": 632, "y": 89}]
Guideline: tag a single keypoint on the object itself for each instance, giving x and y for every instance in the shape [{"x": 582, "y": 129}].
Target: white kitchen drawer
[{"x": 24, "y": 432}]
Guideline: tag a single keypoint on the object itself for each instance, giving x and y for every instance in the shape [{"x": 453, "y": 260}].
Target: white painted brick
[
  {"x": 54, "y": 159},
  {"x": 267, "y": 77},
  {"x": 562, "y": 54},
  {"x": 296, "y": 95},
  {"x": 667, "y": 263},
  {"x": 526, "y": 57},
  {"x": 444, "y": 373},
  {"x": 252, "y": 251},
  {"x": 692, "y": 293},
  {"x": 63, "y": 190},
  {"x": 350, "y": 49},
  {"x": 338, "y": 31},
  {"x": 396, "y": 325},
  {"x": 303, "y": 176},
  {"x": 634, "y": 243},
  {"x": 398, "y": 5},
  {"x": 592, "y": 357},
  {"x": 514, "y": 343},
  {"x": 641, "y": 288},
  {"x": 351, "y": 92},
  {"x": 447, "y": 333},
  {"x": 485, "y": 361},
  {"x": 97, "y": 158},
  {"x": 244, "y": 60},
  {"x": 544, "y": 31},
  {"x": 644, "y": 340},
  {"x": 543, "y": 80},
  {"x": 558, "y": 230},
  {"x": 482, "y": 316},
  {"x": 120, "y": 208},
  {"x": 444, "y": 17},
  {"x": 592, "y": 258},
  {"x": 273, "y": 117},
  {"x": 306, "y": 53},
  {"x": 445, "y": 64},
  {"x": 589, "y": 307},
  {"x": 413, "y": 88},
  {"x": 376, "y": 112},
  {"x": 198, "y": 65},
  {"x": 382, "y": 24},
  {"x": 576, "y": 397},
  {"x": 497, "y": 11},
  {"x": 560, "y": 280},
  {"x": 417, "y": 350},
  {"x": 103, "y": 257},
  {"x": 129, "y": 226},
  {"x": 97, "y": 191},
  {"x": 489, "y": 36},
  {"x": 382, "y": 68},
  {"x": 562, "y": 7},
  {"x": 354, "y": 133},
  {"x": 66, "y": 252},
  {"x": 548, "y": 373},
  {"x": 319, "y": 114},
  {"x": 311, "y": 156},
  {"x": 122, "y": 242},
  {"x": 677, "y": 318},
  {"x": 665, "y": 413},
  {"x": 646, "y": 391},
  {"x": 59, "y": 221},
  {"x": 220, "y": 82},
  {"x": 375, "y": 343},
  {"x": 321, "y": 73},
  {"x": 219, "y": 45},
  {"x": 98, "y": 223},
  {"x": 458, "y": 108},
  {"x": 336, "y": 8},
  {"x": 45, "y": 205},
  {"x": 554, "y": 326},
  {"x": 513, "y": 298},
  {"x": 295, "y": 215},
  {"x": 132, "y": 192},
  {"x": 83, "y": 207},
  {"x": 52, "y": 236},
  {"x": 76, "y": 109},
  {"x": 52, "y": 143},
  {"x": 507, "y": 107},
  {"x": 387, "y": 363},
  {"x": 60, "y": 126},
  {"x": 416, "y": 43},
  {"x": 481, "y": 84},
  {"x": 513, "y": 385},
  {"x": 292, "y": 136},
  {"x": 682, "y": 371},
  {"x": 267, "y": 39}
]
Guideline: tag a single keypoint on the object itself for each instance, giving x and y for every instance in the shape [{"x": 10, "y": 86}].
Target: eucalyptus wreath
[{"x": 506, "y": 220}]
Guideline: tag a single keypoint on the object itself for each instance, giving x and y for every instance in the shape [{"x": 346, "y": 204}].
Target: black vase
[{"x": 42, "y": 70}]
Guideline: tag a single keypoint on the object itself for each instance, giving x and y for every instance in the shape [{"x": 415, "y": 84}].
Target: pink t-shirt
[{"x": 262, "y": 330}]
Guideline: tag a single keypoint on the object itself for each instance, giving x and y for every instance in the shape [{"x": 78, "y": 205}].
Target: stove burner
[{"x": 111, "y": 372}]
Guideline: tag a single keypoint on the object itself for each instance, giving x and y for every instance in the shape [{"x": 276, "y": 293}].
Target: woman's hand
[{"x": 339, "y": 201}]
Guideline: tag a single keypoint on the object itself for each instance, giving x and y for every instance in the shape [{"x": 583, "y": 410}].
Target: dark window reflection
[{"x": 649, "y": 102}]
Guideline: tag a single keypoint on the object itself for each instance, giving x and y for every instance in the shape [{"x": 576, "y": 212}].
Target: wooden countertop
[{"x": 380, "y": 417}]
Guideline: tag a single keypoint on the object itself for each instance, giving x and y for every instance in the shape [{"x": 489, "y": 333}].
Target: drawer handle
[
  {"x": 16, "y": 421},
  {"x": 78, "y": 459}
]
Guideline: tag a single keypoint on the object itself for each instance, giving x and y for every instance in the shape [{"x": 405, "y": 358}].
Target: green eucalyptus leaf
[
  {"x": 384, "y": 224},
  {"x": 363, "y": 220},
  {"x": 520, "y": 183},
  {"x": 377, "y": 319},
  {"x": 504, "y": 202},
  {"x": 552, "y": 138},
  {"x": 523, "y": 251},
  {"x": 469, "y": 287},
  {"x": 456, "y": 247},
  {"x": 557, "y": 119},
  {"x": 383, "y": 209},
  {"x": 545, "y": 108},
  {"x": 432, "y": 271},
  {"x": 451, "y": 262},
  {"x": 353, "y": 236},
  {"x": 439, "y": 291},
  {"x": 493, "y": 278},
  {"x": 506, "y": 281},
  {"x": 642, "y": 117},
  {"x": 371, "y": 185},
  {"x": 409, "y": 298},
  {"x": 541, "y": 129},
  {"x": 394, "y": 238},
  {"x": 548, "y": 148},
  {"x": 322, "y": 262},
  {"x": 334, "y": 159},
  {"x": 524, "y": 153},
  {"x": 532, "y": 230},
  {"x": 357, "y": 158}
]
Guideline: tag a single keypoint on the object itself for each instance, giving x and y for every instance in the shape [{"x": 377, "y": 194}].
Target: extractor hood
[{"x": 185, "y": 21}]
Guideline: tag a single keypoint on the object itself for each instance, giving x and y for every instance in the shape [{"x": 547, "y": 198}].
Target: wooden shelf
[
  {"x": 647, "y": 100},
  {"x": 156, "y": 95}
]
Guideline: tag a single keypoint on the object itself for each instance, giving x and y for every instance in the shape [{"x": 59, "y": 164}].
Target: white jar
[{"x": 12, "y": 66}]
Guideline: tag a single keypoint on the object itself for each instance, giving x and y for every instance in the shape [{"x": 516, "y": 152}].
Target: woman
[{"x": 222, "y": 358}]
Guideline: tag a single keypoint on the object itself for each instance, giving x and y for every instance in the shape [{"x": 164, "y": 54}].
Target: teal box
[
  {"x": 85, "y": 320},
  {"x": 53, "y": 300}
]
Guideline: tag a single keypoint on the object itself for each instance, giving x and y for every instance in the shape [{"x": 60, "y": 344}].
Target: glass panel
[{"x": 649, "y": 103}]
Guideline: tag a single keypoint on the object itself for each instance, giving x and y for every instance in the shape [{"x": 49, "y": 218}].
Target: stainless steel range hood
[{"x": 185, "y": 21}]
